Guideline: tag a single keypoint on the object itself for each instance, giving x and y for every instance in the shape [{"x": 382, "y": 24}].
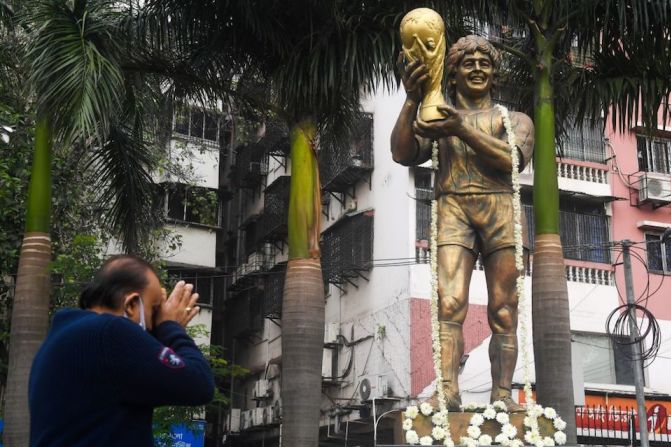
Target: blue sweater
[{"x": 97, "y": 378}]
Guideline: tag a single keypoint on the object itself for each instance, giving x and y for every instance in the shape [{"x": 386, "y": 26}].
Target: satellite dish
[{"x": 364, "y": 389}]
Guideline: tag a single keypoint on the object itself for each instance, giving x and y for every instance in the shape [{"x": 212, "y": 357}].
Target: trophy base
[{"x": 430, "y": 112}]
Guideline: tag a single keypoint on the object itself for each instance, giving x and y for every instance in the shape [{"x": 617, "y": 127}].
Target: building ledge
[{"x": 652, "y": 225}]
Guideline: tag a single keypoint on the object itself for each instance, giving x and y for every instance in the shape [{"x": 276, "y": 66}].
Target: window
[
  {"x": 209, "y": 284},
  {"x": 603, "y": 360},
  {"x": 583, "y": 227},
  {"x": 586, "y": 144},
  {"x": 654, "y": 154},
  {"x": 423, "y": 196},
  {"x": 192, "y": 204},
  {"x": 659, "y": 255},
  {"x": 196, "y": 123}
]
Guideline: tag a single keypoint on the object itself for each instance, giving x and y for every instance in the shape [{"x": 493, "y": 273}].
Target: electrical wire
[{"x": 623, "y": 319}]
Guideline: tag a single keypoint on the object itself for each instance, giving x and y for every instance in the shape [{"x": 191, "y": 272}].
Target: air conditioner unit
[
  {"x": 246, "y": 420},
  {"x": 654, "y": 188},
  {"x": 232, "y": 421},
  {"x": 261, "y": 388},
  {"x": 331, "y": 332},
  {"x": 374, "y": 388},
  {"x": 258, "y": 416}
]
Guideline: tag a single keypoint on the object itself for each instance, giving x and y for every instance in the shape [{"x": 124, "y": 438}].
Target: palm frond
[
  {"x": 629, "y": 80},
  {"x": 127, "y": 192},
  {"x": 74, "y": 71}
]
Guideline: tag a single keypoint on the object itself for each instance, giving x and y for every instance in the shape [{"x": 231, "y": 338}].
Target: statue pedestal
[{"x": 459, "y": 422}]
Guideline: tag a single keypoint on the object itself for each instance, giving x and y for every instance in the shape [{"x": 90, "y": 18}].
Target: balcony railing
[
  {"x": 576, "y": 170},
  {"x": 584, "y": 236},
  {"x": 273, "y": 291},
  {"x": 589, "y": 275},
  {"x": 273, "y": 222},
  {"x": 342, "y": 167},
  {"x": 347, "y": 249},
  {"x": 251, "y": 165}
]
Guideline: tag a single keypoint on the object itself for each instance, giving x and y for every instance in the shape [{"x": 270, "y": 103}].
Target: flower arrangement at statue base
[{"x": 483, "y": 426}]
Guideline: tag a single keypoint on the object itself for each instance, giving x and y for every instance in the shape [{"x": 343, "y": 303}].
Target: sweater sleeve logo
[{"x": 170, "y": 359}]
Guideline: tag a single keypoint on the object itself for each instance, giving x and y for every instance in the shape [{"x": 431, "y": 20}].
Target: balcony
[
  {"x": 273, "y": 292},
  {"x": 275, "y": 142},
  {"x": 347, "y": 249},
  {"x": 343, "y": 167},
  {"x": 251, "y": 165},
  {"x": 248, "y": 274},
  {"x": 582, "y": 177},
  {"x": 272, "y": 225}
]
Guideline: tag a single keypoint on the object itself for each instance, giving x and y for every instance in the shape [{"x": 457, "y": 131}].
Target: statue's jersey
[{"x": 462, "y": 171}]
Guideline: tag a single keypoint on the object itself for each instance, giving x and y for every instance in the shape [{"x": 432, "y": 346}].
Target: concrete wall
[{"x": 198, "y": 246}]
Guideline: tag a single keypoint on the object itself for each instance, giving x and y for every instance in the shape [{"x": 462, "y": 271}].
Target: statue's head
[
  {"x": 469, "y": 45},
  {"x": 427, "y": 25}
]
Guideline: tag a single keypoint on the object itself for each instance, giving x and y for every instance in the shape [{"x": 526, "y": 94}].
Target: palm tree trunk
[
  {"x": 550, "y": 310},
  {"x": 30, "y": 307},
  {"x": 303, "y": 300}
]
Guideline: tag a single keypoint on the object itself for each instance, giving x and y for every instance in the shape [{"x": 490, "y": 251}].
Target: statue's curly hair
[{"x": 468, "y": 45}]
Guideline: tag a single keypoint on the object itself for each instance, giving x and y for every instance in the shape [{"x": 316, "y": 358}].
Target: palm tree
[
  {"x": 83, "y": 96},
  {"x": 625, "y": 82}
]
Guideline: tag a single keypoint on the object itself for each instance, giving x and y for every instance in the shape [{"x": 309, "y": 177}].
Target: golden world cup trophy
[{"x": 423, "y": 38}]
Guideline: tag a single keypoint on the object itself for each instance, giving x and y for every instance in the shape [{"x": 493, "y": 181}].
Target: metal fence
[{"x": 616, "y": 425}]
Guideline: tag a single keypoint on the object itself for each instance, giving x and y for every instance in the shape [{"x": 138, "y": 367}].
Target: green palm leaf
[{"x": 73, "y": 55}]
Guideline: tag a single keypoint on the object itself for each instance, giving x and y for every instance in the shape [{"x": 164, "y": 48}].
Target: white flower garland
[
  {"x": 508, "y": 434},
  {"x": 441, "y": 428},
  {"x": 519, "y": 247},
  {"x": 532, "y": 409}
]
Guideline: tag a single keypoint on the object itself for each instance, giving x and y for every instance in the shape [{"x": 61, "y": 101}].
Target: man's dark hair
[{"x": 118, "y": 275}]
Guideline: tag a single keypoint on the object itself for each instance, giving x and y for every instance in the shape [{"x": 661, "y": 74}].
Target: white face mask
[{"x": 142, "y": 322}]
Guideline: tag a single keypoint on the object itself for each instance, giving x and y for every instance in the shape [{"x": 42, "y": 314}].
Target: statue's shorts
[{"x": 482, "y": 223}]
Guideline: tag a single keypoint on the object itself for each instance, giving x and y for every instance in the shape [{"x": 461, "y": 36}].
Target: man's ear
[{"x": 130, "y": 304}]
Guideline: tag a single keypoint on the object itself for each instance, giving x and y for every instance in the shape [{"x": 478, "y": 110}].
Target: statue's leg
[
  {"x": 502, "y": 315},
  {"x": 455, "y": 266}
]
